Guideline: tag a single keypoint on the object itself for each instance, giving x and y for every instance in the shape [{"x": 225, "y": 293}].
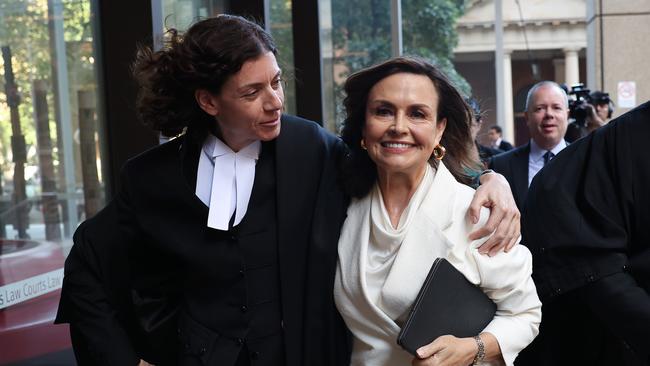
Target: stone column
[
  {"x": 571, "y": 70},
  {"x": 508, "y": 123},
  {"x": 558, "y": 70}
]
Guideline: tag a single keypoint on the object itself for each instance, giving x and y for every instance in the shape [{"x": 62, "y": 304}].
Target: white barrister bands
[
  {"x": 29, "y": 288},
  {"x": 226, "y": 182}
]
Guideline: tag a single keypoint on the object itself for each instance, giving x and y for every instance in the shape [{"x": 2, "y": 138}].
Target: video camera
[
  {"x": 582, "y": 98},
  {"x": 579, "y": 104}
]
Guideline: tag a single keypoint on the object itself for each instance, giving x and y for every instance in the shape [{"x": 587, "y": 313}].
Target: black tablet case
[{"x": 447, "y": 304}]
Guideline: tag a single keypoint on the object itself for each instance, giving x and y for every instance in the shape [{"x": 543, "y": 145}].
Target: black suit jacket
[
  {"x": 505, "y": 146},
  {"x": 142, "y": 242},
  {"x": 485, "y": 153},
  {"x": 586, "y": 223},
  {"x": 513, "y": 165}
]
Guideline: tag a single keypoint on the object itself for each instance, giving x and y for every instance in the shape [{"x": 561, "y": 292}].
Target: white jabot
[
  {"x": 225, "y": 179},
  {"x": 536, "y": 157}
]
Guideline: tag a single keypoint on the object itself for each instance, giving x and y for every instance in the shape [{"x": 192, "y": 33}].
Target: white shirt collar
[
  {"x": 537, "y": 153},
  {"x": 497, "y": 142},
  {"x": 214, "y": 147}
]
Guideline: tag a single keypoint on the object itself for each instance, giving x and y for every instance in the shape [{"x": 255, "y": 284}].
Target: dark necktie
[{"x": 548, "y": 156}]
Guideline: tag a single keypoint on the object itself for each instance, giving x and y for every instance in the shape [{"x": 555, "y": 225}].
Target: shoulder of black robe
[
  {"x": 588, "y": 210},
  {"x": 324, "y": 338}
]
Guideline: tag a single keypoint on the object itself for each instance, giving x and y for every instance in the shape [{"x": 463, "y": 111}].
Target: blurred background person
[
  {"x": 484, "y": 152},
  {"x": 495, "y": 134},
  {"x": 603, "y": 104},
  {"x": 587, "y": 111}
]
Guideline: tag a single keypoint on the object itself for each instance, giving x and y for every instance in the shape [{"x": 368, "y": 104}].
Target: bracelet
[
  {"x": 477, "y": 179},
  {"x": 480, "y": 354},
  {"x": 486, "y": 171}
]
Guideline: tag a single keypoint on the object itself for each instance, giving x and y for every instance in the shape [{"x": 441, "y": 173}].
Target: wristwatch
[{"x": 480, "y": 354}]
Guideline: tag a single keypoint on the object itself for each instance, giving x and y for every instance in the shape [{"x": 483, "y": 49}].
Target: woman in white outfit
[{"x": 409, "y": 207}]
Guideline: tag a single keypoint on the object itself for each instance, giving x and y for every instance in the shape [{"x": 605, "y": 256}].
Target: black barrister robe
[
  {"x": 587, "y": 223},
  {"x": 136, "y": 246}
]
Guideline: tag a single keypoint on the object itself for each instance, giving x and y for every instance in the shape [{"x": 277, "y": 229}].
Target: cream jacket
[{"x": 439, "y": 230}]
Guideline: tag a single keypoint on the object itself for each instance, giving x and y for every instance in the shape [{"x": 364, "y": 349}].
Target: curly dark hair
[
  {"x": 204, "y": 57},
  {"x": 360, "y": 172}
]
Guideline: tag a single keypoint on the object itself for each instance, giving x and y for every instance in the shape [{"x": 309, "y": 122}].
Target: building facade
[{"x": 542, "y": 40}]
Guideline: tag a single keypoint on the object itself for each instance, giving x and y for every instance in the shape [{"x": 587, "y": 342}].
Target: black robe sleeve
[{"x": 95, "y": 296}]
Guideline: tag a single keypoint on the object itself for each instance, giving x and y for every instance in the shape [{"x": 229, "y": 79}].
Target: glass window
[
  {"x": 280, "y": 25},
  {"x": 354, "y": 35},
  {"x": 50, "y": 166},
  {"x": 180, "y": 14},
  {"x": 503, "y": 57}
]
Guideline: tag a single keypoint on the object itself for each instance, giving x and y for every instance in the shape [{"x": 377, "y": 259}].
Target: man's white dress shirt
[
  {"x": 536, "y": 157},
  {"x": 497, "y": 143}
]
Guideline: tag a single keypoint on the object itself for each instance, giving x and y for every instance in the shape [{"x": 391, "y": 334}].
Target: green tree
[
  {"x": 429, "y": 31},
  {"x": 32, "y": 29},
  {"x": 24, "y": 28},
  {"x": 280, "y": 16}
]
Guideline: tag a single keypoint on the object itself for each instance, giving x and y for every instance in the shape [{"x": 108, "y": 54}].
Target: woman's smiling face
[{"x": 402, "y": 128}]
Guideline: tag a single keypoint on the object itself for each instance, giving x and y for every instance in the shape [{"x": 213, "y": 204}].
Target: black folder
[{"x": 447, "y": 304}]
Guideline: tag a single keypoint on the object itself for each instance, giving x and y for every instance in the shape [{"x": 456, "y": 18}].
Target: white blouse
[{"x": 373, "y": 303}]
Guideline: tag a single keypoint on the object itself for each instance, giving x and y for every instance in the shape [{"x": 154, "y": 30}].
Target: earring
[
  {"x": 363, "y": 144},
  {"x": 439, "y": 152}
]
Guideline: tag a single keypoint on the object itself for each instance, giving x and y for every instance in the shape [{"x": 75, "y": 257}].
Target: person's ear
[{"x": 207, "y": 101}]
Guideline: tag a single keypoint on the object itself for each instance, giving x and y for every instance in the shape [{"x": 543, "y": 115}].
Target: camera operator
[
  {"x": 603, "y": 105},
  {"x": 589, "y": 111}
]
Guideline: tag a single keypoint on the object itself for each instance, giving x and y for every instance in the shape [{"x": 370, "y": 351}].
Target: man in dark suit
[
  {"x": 547, "y": 113},
  {"x": 586, "y": 223},
  {"x": 495, "y": 134}
]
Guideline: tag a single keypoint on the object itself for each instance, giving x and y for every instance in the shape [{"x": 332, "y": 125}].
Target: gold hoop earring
[
  {"x": 439, "y": 152},
  {"x": 363, "y": 144}
]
